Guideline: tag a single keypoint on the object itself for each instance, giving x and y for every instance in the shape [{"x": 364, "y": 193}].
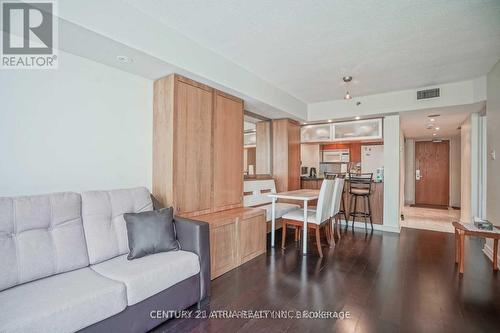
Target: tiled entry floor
[{"x": 430, "y": 218}]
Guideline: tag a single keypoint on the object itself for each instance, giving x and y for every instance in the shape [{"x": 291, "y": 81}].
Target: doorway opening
[{"x": 433, "y": 179}]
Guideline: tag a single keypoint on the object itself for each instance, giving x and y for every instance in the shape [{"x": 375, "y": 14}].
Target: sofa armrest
[{"x": 194, "y": 236}]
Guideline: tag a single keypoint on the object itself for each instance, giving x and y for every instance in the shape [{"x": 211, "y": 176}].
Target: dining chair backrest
[
  {"x": 324, "y": 201},
  {"x": 338, "y": 190}
]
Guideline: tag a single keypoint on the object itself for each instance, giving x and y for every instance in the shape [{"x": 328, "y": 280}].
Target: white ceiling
[
  {"x": 413, "y": 123},
  {"x": 305, "y": 47}
]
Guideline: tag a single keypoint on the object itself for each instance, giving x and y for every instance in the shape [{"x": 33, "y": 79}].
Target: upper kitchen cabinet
[
  {"x": 316, "y": 133},
  {"x": 370, "y": 129},
  {"x": 197, "y": 147}
]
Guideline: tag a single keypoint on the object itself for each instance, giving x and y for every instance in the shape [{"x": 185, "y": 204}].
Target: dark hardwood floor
[{"x": 388, "y": 282}]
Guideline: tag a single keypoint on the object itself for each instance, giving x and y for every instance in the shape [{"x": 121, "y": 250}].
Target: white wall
[
  {"x": 392, "y": 178},
  {"x": 469, "y": 168},
  {"x": 493, "y": 138},
  {"x": 84, "y": 126}
]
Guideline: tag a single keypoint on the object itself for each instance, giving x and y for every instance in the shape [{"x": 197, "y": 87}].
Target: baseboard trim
[
  {"x": 488, "y": 251},
  {"x": 379, "y": 227}
]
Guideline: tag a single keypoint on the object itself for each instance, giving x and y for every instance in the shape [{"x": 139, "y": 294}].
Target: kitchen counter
[{"x": 376, "y": 197}]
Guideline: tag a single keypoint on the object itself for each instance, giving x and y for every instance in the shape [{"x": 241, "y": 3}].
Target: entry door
[{"x": 432, "y": 168}]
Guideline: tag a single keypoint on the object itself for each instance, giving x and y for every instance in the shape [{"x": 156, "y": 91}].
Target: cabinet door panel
[
  {"x": 252, "y": 237},
  {"x": 223, "y": 251},
  {"x": 193, "y": 176},
  {"x": 228, "y": 152}
]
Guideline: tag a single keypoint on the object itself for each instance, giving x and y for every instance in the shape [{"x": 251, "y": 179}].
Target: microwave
[{"x": 336, "y": 155}]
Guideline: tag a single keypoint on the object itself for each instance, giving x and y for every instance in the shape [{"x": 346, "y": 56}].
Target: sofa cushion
[
  {"x": 281, "y": 209},
  {"x": 150, "y": 232},
  {"x": 146, "y": 276},
  {"x": 102, "y": 213},
  {"x": 40, "y": 236},
  {"x": 61, "y": 303}
]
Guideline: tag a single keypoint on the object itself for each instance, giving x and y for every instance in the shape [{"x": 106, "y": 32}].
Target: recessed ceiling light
[
  {"x": 437, "y": 128},
  {"x": 329, "y": 120},
  {"x": 357, "y": 117},
  {"x": 347, "y": 78},
  {"x": 432, "y": 119},
  {"x": 434, "y": 134},
  {"x": 124, "y": 59},
  {"x": 304, "y": 123}
]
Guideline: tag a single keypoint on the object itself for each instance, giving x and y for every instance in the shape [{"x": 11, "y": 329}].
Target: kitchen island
[{"x": 376, "y": 197}]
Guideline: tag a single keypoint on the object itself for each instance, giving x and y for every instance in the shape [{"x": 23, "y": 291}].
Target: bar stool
[{"x": 360, "y": 185}]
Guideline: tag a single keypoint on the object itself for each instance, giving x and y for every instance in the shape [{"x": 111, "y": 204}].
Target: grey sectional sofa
[{"x": 64, "y": 267}]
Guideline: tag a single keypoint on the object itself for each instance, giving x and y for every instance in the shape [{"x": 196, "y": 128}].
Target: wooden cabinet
[
  {"x": 197, "y": 147},
  {"x": 192, "y": 158},
  {"x": 286, "y": 154},
  {"x": 236, "y": 236},
  {"x": 228, "y": 151}
]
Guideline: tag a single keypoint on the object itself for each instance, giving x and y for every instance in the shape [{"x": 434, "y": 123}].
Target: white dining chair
[
  {"x": 338, "y": 191},
  {"x": 315, "y": 219}
]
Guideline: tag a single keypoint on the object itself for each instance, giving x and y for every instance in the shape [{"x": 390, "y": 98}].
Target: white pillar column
[{"x": 392, "y": 159}]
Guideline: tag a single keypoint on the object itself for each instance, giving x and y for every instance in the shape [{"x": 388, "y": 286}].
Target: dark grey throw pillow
[{"x": 150, "y": 232}]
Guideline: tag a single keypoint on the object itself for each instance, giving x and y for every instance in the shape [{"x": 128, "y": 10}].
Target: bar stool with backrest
[
  {"x": 315, "y": 219},
  {"x": 360, "y": 186}
]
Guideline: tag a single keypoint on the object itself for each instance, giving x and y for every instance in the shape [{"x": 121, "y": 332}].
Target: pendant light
[{"x": 347, "y": 79}]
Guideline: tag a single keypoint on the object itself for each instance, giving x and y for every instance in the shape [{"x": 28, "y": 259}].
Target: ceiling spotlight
[
  {"x": 432, "y": 119},
  {"x": 357, "y": 117},
  {"x": 304, "y": 123},
  {"x": 434, "y": 134},
  {"x": 329, "y": 120},
  {"x": 437, "y": 128},
  {"x": 346, "y": 80}
]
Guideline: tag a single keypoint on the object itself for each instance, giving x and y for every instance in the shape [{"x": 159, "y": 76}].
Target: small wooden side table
[{"x": 461, "y": 232}]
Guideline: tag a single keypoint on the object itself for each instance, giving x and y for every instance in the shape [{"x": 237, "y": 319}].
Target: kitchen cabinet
[
  {"x": 368, "y": 129},
  {"x": 316, "y": 133},
  {"x": 197, "y": 147}
]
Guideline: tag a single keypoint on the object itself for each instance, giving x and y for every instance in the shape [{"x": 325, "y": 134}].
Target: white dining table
[{"x": 299, "y": 195}]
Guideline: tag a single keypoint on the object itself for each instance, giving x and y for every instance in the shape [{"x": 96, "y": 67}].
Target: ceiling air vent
[{"x": 429, "y": 93}]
